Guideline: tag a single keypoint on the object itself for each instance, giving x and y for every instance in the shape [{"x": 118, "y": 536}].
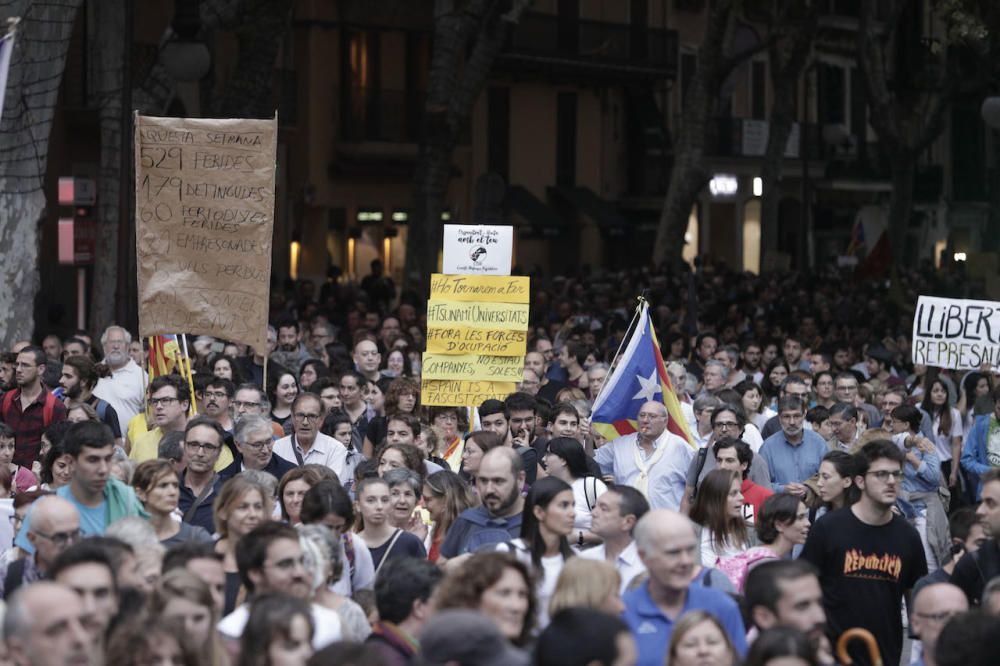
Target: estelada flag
[
  {"x": 639, "y": 376},
  {"x": 163, "y": 353}
]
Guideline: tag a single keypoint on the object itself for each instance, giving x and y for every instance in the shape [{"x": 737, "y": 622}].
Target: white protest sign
[
  {"x": 477, "y": 249},
  {"x": 956, "y": 333}
]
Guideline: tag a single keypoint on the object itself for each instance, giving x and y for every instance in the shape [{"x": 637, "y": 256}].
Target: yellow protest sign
[
  {"x": 472, "y": 367},
  {"x": 458, "y": 393},
  {"x": 466, "y": 340},
  {"x": 481, "y": 288},
  {"x": 505, "y": 316}
]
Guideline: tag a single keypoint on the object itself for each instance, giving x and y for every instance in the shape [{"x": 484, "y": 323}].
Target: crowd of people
[{"x": 297, "y": 504}]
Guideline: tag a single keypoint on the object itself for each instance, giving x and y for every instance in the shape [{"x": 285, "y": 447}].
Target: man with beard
[
  {"x": 868, "y": 556},
  {"x": 204, "y": 440},
  {"x": 218, "y": 395},
  {"x": 786, "y": 593},
  {"x": 793, "y": 454},
  {"x": 498, "y": 520},
  {"x": 291, "y": 353},
  {"x": 270, "y": 560},
  {"x": 30, "y": 408},
  {"x": 78, "y": 379},
  {"x": 125, "y": 389},
  {"x": 7, "y": 362},
  {"x": 653, "y": 460},
  {"x": 169, "y": 400},
  {"x": 494, "y": 417}
]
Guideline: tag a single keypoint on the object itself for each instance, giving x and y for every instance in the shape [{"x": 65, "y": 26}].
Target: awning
[
  {"x": 586, "y": 201},
  {"x": 534, "y": 211}
]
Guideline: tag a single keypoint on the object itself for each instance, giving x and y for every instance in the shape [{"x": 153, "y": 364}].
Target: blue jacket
[{"x": 974, "y": 461}]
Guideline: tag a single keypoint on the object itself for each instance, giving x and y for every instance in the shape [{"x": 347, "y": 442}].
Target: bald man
[
  {"x": 667, "y": 543},
  {"x": 933, "y": 606},
  {"x": 54, "y": 527},
  {"x": 652, "y": 460},
  {"x": 44, "y": 626}
]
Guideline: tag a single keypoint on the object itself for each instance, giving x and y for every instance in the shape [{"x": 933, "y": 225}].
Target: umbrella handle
[{"x": 863, "y": 635}]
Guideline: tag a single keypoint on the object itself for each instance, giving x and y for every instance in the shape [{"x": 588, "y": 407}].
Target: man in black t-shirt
[
  {"x": 868, "y": 557},
  {"x": 976, "y": 569}
]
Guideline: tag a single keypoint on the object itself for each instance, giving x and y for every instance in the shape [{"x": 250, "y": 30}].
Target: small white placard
[{"x": 476, "y": 249}]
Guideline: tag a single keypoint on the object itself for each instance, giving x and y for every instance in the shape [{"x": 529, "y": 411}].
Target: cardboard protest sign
[
  {"x": 204, "y": 210},
  {"x": 450, "y": 393},
  {"x": 956, "y": 333},
  {"x": 477, "y": 249}
]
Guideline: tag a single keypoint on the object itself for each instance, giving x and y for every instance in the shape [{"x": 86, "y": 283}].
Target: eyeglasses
[
  {"x": 884, "y": 474},
  {"x": 155, "y": 402},
  {"x": 216, "y": 394},
  {"x": 239, "y": 404},
  {"x": 60, "y": 539},
  {"x": 201, "y": 446},
  {"x": 299, "y": 416},
  {"x": 938, "y": 618},
  {"x": 725, "y": 425},
  {"x": 259, "y": 445},
  {"x": 650, "y": 417}
]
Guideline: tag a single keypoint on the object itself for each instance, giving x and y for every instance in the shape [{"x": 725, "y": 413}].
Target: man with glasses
[
  {"x": 31, "y": 407},
  {"x": 270, "y": 560},
  {"x": 250, "y": 400},
  {"x": 126, "y": 387},
  {"x": 792, "y": 454},
  {"x": 169, "y": 401},
  {"x": 218, "y": 395},
  {"x": 933, "y": 606},
  {"x": 55, "y": 527},
  {"x": 652, "y": 460},
  {"x": 204, "y": 440},
  {"x": 307, "y": 444},
  {"x": 868, "y": 556},
  {"x": 795, "y": 387},
  {"x": 845, "y": 388},
  {"x": 255, "y": 444}
]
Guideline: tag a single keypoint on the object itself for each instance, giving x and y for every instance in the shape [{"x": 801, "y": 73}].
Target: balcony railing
[
  {"x": 380, "y": 114},
  {"x": 589, "y": 42}
]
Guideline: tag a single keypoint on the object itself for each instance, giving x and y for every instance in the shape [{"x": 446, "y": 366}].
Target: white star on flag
[{"x": 650, "y": 387}]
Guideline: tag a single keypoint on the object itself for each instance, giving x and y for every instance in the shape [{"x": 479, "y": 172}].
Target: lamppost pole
[{"x": 126, "y": 303}]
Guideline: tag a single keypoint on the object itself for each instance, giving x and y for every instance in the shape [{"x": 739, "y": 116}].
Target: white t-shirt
[
  {"x": 546, "y": 585},
  {"x": 326, "y": 621},
  {"x": 585, "y": 494},
  {"x": 943, "y": 442},
  {"x": 710, "y": 554}
]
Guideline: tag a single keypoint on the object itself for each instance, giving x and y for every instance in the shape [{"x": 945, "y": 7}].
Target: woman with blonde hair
[
  {"x": 587, "y": 583},
  {"x": 699, "y": 639},
  {"x": 183, "y": 597},
  {"x": 241, "y": 505}
]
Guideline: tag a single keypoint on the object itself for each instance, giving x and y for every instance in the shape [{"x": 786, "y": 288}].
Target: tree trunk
[
  {"x": 33, "y": 84},
  {"x": 109, "y": 22},
  {"x": 455, "y": 81},
  {"x": 904, "y": 170}
]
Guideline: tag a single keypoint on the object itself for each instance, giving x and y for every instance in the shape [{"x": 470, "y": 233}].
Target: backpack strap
[
  {"x": 14, "y": 577},
  {"x": 590, "y": 496},
  {"x": 351, "y": 555},
  {"x": 8, "y": 400},
  {"x": 702, "y": 456},
  {"x": 49, "y": 409}
]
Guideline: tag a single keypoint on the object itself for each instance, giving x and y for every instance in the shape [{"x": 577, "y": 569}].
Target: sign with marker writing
[
  {"x": 478, "y": 249},
  {"x": 454, "y": 393},
  {"x": 473, "y": 367},
  {"x": 513, "y": 289},
  {"x": 467, "y": 340},
  {"x": 504, "y": 316},
  {"x": 204, "y": 210},
  {"x": 956, "y": 333}
]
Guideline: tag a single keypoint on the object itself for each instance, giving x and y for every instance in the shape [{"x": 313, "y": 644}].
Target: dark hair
[
  {"x": 334, "y": 419},
  {"x": 944, "y": 411},
  {"x": 399, "y": 387},
  {"x": 768, "y": 389},
  {"x": 178, "y": 556},
  {"x": 400, "y": 583},
  {"x": 710, "y": 510},
  {"x": 762, "y": 585},
  {"x": 777, "y": 509},
  {"x": 542, "y": 493},
  {"x": 251, "y": 550},
  {"x": 579, "y": 636},
  {"x": 91, "y": 551},
  {"x": 969, "y": 639},
  {"x": 174, "y": 382},
  {"x": 960, "y": 522},
  {"x": 790, "y": 402},
  {"x": 208, "y": 423},
  {"x": 319, "y": 367},
  {"x": 37, "y": 352},
  {"x": 324, "y": 498},
  {"x": 571, "y": 451},
  {"x": 845, "y": 409},
  {"x": 726, "y": 407},
  {"x": 748, "y": 385},
  {"x": 237, "y": 378},
  {"x": 876, "y": 449},
  {"x": 817, "y": 415},
  {"x": 86, "y": 434},
  {"x": 847, "y": 467},
  {"x": 486, "y": 440},
  {"x": 274, "y": 378},
  {"x": 88, "y": 371},
  {"x": 493, "y": 406},
  {"x": 411, "y": 421},
  {"x": 171, "y": 446},
  {"x": 562, "y": 408},
  {"x": 347, "y": 654},
  {"x": 520, "y": 401},
  {"x": 631, "y": 501},
  {"x": 909, "y": 415},
  {"x": 270, "y": 617},
  {"x": 781, "y": 642},
  {"x": 743, "y": 451},
  {"x": 227, "y": 385}
]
